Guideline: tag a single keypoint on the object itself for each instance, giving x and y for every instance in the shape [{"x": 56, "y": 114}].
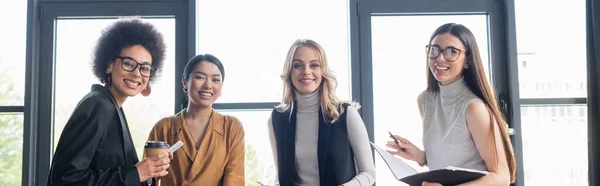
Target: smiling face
[
  {"x": 204, "y": 85},
  {"x": 446, "y": 58},
  {"x": 124, "y": 84},
  {"x": 306, "y": 73}
]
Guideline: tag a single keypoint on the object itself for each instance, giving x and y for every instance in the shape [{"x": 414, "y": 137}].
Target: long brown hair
[
  {"x": 476, "y": 79},
  {"x": 331, "y": 105}
]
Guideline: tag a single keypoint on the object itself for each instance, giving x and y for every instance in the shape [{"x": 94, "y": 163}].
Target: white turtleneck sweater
[{"x": 307, "y": 131}]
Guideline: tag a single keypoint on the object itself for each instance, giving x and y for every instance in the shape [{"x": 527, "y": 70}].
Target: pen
[
  {"x": 397, "y": 142},
  {"x": 261, "y": 184}
]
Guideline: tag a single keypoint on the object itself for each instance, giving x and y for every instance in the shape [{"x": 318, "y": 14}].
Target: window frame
[
  {"x": 515, "y": 107},
  {"x": 593, "y": 77},
  {"x": 12, "y": 109}
]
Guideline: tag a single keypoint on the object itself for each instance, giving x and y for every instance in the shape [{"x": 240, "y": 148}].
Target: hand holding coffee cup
[{"x": 157, "y": 161}]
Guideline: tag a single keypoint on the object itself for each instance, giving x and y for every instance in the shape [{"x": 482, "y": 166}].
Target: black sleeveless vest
[{"x": 336, "y": 160}]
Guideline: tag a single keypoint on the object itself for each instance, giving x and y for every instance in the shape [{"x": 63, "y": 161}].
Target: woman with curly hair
[{"x": 95, "y": 147}]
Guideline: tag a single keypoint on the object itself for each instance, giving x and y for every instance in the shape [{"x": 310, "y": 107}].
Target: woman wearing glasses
[
  {"x": 213, "y": 150},
  {"x": 462, "y": 123},
  {"x": 95, "y": 147}
]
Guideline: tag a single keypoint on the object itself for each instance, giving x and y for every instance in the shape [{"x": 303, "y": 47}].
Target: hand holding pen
[
  {"x": 396, "y": 141},
  {"x": 404, "y": 148}
]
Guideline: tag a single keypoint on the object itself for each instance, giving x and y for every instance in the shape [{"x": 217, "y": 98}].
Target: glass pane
[
  {"x": 259, "y": 156},
  {"x": 75, "y": 42},
  {"x": 544, "y": 133},
  {"x": 395, "y": 49},
  {"x": 13, "y": 14},
  {"x": 552, "y": 59},
  {"x": 11, "y": 148},
  {"x": 253, "y": 44}
]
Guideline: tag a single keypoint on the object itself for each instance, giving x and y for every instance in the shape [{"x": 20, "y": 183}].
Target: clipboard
[{"x": 445, "y": 176}]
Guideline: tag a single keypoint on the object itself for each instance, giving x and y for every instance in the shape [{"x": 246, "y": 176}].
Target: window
[
  {"x": 253, "y": 44},
  {"x": 11, "y": 148},
  {"x": 524, "y": 111},
  {"x": 12, "y": 90},
  {"x": 12, "y": 53},
  {"x": 540, "y": 143},
  {"x": 549, "y": 60},
  {"x": 260, "y": 165},
  {"x": 548, "y": 68},
  {"x": 75, "y": 42}
]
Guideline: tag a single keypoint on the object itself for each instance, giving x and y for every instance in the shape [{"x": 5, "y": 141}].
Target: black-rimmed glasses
[
  {"x": 129, "y": 64},
  {"x": 451, "y": 54}
]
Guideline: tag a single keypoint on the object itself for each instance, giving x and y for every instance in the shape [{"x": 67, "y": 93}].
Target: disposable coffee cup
[{"x": 154, "y": 148}]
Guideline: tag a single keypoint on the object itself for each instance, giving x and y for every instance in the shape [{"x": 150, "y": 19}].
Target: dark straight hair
[
  {"x": 195, "y": 61},
  {"x": 476, "y": 80}
]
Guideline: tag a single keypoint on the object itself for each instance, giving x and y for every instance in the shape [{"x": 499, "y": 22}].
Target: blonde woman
[{"x": 316, "y": 138}]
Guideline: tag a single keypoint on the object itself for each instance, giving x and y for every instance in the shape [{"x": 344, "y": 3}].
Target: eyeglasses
[
  {"x": 129, "y": 64},
  {"x": 451, "y": 54}
]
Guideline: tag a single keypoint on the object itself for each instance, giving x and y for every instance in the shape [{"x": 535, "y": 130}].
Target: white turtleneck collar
[
  {"x": 308, "y": 103},
  {"x": 453, "y": 89}
]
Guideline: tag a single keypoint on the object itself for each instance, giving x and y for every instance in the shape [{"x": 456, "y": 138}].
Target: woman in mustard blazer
[{"x": 213, "y": 150}]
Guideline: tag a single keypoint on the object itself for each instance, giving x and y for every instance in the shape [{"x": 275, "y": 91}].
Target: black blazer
[
  {"x": 95, "y": 147},
  {"x": 335, "y": 155}
]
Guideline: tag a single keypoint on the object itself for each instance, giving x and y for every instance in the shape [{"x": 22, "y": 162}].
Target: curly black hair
[{"x": 126, "y": 33}]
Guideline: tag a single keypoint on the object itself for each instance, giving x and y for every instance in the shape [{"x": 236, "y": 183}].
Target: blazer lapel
[
  {"x": 211, "y": 138},
  {"x": 128, "y": 149},
  {"x": 323, "y": 141}
]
